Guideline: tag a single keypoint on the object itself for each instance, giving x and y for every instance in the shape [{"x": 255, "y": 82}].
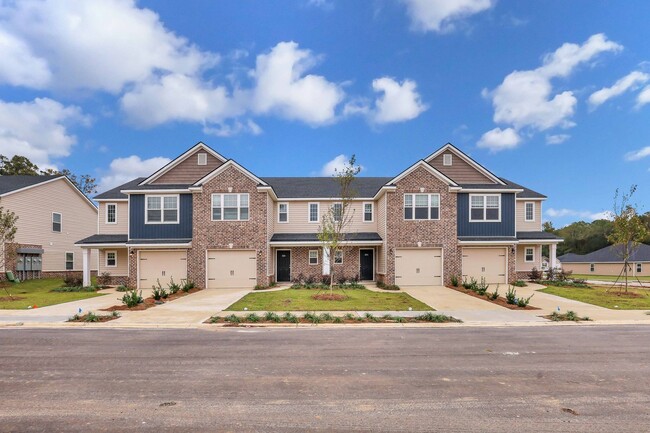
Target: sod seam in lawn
[
  {"x": 599, "y": 296},
  {"x": 38, "y": 292},
  {"x": 301, "y": 300}
]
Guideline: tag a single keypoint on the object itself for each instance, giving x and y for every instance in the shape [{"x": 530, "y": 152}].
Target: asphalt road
[{"x": 551, "y": 379}]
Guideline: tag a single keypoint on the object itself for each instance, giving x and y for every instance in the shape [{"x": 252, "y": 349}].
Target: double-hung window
[
  {"x": 338, "y": 257},
  {"x": 111, "y": 213},
  {"x": 313, "y": 212},
  {"x": 230, "y": 207},
  {"x": 639, "y": 268},
  {"x": 529, "y": 254},
  {"x": 337, "y": 210},
  {"x": 529, "y": 211},
  {"x": 592, "y": 267},
  {"x": 161, "y": 209},
  {"x": 283, "y": 212},
  {"x": 367, "y": 212},
  {"x": 56, "y": 222},
  {"x": 313, "y": 257},
  {"x": 485, "y": 207},
  {"x": 422, "y": 206},
  {"x": 111, "y": 259},
  {"x": 69, "y": 261}
]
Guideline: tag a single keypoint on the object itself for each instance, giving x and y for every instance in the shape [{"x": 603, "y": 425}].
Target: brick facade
[{"x": 300, "y": 263}]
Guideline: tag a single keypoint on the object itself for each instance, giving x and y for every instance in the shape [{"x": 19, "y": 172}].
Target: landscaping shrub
[
  {"x": 252, "y": 317},
  {"x": 122, "y": 288},
  {"x": 391, "y": 287},
  {"x": 454, "y": 280},
  {"x": 471, "y": 285},
  {"x": 104, "y": 278},
  {"x": 91, "y": 317},
  {"x": 511, "y": 295},
  {"x": 569, "y": 316},
  {"x": 349, "y": 316},
  {"x": 158, "y": 292},
  {"x": 189, "y": 285},
  {"x": 311, "y": 317},
  {"x": 399, "y": 319},
  {"x": 232, "y": 319},
  {"x": 535, "y": 274},
  {"x": 338, "y": 320},
  {"x": 173, "y": 287},
  {"x": 132, "y": 298},
  {"x": 299, "y": 279},
  {"x": 74, "y": 289},
  {"x": 520, "y": 283},
  {"x": 291, "y": 318},
  {"x": 272, "y": 317},
  {"x": 482, "y": 287},
  {"x": 326, "y": 317},
  {"x": 341, "y": 280},
  {"x": 523, "y": 302},
  {"x": 72, "y": 280},
  {"x": 494, "y": 295},
  {"x": 436, "y": 318},
  {"x": 214, "y": 319}
]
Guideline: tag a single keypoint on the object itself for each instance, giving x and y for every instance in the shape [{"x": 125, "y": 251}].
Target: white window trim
[
  {"x": 334, "y": 212},
  {"x": 372, "y": 212},
  {"x": 526, "y": 254},
  {"x": 484, "y": 220},
  {"x": 162, "y": 209},
  {"x": 287, "y": 205},
  {"x": 335, "y": 253},
  {"x": 198, "y": 158},
  {"x": 526, "y": 214},
  {"x": 65, "y": 260},
  {"x": 639, "y": 267},
  {"x": 413, "y": 194},
  {"x": 106, "y": 253},
  {"x": 106, "y": 212},
  {"x": 592, "y": 267},
  {"x": 309, "y": 257},
  {"x": 61, "y": 223},
  {"x": 239, "y": 195},
  {"x": 309, "y": 213},
  {"x": 447, "y": 162}
]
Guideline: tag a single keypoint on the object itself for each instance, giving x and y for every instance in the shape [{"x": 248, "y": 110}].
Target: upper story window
[
  {"x": 56, "y": 222},
  {"x": 313, "y": 212},
  {"x": 230, "y": 207},
  {"x": 337, "y": 210},
  {"x": 485, "y": 207},
  {"x": 529, "y": 254},
  {"x": 529, "y": 211},
  {"x": 367, "y": 212},
  {"x": 202, "y": 159},
  {"x": 111, "y": 213},
  {"x": 446, "y": 159},
  {"x": 161, "y": 209},
  {"x": 421, "y": 206},
  {"x": 283, "y": 212}
]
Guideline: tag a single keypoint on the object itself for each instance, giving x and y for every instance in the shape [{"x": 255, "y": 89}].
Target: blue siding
[
  {"x": 504, "y": 228},
  {"x": 139, "y": 230}
]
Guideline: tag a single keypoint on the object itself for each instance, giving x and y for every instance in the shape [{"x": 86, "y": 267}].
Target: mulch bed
[
  {"x": 151, "y": 302},
  {"x": 499, "y": 301},
  {"x": 309, "y": 322},
  {"x": 100, "y": 318},
  {"x": 7, "y": 298}
]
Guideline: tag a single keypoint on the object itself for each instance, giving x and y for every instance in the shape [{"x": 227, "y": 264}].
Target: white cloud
[
  {"x": 233, "y": 128},
  {"x": 337, "y": 164},
  {"x": 398, "y": 102},
  {"x": 525, "y": 99},
  {"x": 19, "y": 67},
  {"x": 440, "y": 15},
  {"x": 638, "y": 154},
  {"x": 643, "y": 97},
  {"x": 557, "y": 138},
  {"x": 629, "y": 82},
  {"x": 592, "y": 216},
  {"x": 499, "y": 139},
  {"x": 38, "y": 129},
  {"x": 122, "y": 170}
]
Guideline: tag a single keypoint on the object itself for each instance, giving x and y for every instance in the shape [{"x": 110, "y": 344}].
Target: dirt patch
[
  {"x": 151, "y": 302},
  {"x": 329, "y": 297},
  {"x": 98, "y": 318},
  {"x": 8, "y": 299},
  {"x": 628, "y": 295},
  {"x": 499, "y": 301}
]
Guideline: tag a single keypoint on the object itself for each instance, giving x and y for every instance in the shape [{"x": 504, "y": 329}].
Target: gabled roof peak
[{"x": 478, "y": 167}]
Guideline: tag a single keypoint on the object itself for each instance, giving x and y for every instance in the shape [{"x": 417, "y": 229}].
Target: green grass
[
  {"x": 301, "y": 300},
  {"x": 607, "y": 277},
  {"x": 599, "y": 296},
  {"x": 38, "y": 292}
]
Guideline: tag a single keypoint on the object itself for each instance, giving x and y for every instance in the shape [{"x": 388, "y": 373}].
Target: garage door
[
  {"x": 228, "y": 269},
  {"x": 162, "y": 266},
  {"x": 488, "y": 263},
  {"x": 421, "y": 267}
]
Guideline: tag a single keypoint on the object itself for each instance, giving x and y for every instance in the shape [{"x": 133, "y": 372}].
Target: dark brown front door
[
  {"x": 367, "y": 261},
  {"x": 283, "y": 261}
]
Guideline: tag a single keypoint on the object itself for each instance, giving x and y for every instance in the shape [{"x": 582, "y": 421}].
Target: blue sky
[{"x": 554, "y": 95}]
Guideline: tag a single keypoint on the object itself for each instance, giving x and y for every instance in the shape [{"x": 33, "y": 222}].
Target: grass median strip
[
  {"x": 302, "y": 300},
  {"x": 614, "y": 298},
  {"x": 39, "y": 293}
]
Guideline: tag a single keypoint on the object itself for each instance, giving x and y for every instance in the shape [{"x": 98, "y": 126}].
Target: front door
[
  {"x": 367, "y": 262},
  {"x": 283, "y": 263}
]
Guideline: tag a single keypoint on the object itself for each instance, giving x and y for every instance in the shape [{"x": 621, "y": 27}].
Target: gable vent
[
  {"x": 446, "y": 159},
  {"x": 203, "y": 159}
]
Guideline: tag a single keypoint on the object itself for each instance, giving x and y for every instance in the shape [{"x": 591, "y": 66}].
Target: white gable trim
[
  {"x": 230, "y": 163},
  {"x": 68, "y": 181},
  {"x": 467, "y": 159},
  {"x": 183, "y": 157},
  {"x": 428, "y": 167}
]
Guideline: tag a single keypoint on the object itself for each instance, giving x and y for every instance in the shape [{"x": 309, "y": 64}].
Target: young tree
[
  {"x": 7, "y": 235},
  {"x": 334, "y": 223},
  {"x": 628, "y": 229}
]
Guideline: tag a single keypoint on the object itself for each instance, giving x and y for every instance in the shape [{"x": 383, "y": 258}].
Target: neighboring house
[
  {"x": 52, "y": 215},
  {"x": 608, "y": 261},
  {"x": 207, "y": 219}
]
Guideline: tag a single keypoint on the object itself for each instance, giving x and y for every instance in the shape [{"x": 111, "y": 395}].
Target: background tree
[
  {"x": 628, "y": 229},
  {"x": 7, "y": 236},
  {"x": 86, "y": 183},
  {"x": 334, "y": 223}
]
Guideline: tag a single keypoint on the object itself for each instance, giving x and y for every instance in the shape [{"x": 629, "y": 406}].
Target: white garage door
[
  {"x": 488, "y": 263},
  {"x": 162, "y": 266},
  {"x": 421, "y": 267},
  {"x": 227, "y": 269}
]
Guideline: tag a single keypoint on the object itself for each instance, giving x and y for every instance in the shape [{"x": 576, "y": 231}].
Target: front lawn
[
  {"x": 301, "y": 300},
  {"x": 38, "y": 292},
  {"x": 636, "y": 299},
  {"x": 630, "y": 278}
]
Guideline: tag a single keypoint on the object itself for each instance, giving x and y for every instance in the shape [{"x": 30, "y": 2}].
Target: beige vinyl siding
[
  {"x": 298, "y": 217},
  {"x": 189, "y": 171},
  {"x": 459, "y": 171},
  {"x": 122, "y": 226},
  {"x": 122, "y": 268},
  {"x": 34, "y": 209},
  {"x": 612, "y": 269},
  {"x": 522, "y": 265},
  {"x": 520, "y": 215}
]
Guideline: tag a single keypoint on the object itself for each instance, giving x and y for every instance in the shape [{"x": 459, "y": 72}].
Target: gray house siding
[
  {"x": 139, "y": 230},
  {"x": 480, "y": 229}
]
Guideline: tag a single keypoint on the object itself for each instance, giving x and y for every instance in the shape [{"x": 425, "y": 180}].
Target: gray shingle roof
[
  {"x": 158, "y": 241},
  {"x": 115, "y": 192},
  {"x": 313, "y": 237},
  {"x": 13, "y": 183},
  {"x": 104, "y": 239},
  {"x": 487, "y": 238},
  {"x": 537, "y": 236},
  {"x": 609, "y": 254},
  {"x": 527, "y": 193},
  {"x": 323, "y": 187}
]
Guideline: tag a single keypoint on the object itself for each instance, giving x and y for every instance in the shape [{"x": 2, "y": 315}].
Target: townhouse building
[{"x": 207, "y": 219}]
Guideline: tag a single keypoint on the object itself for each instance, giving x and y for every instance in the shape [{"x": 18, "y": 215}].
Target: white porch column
[
  {"x": 86, "y": 266},
  {"x": 326, "y": 261},
  {"x": 553, "y": 253}
]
